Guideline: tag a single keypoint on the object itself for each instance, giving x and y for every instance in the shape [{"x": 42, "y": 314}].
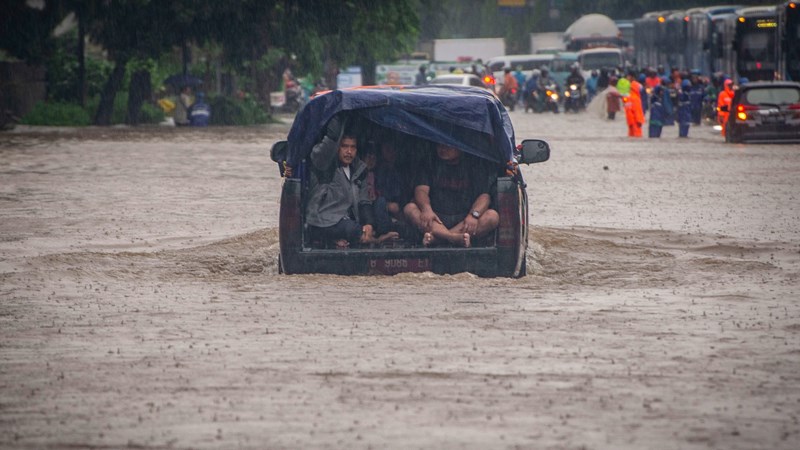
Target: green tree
[
  {"x": 263, "y": 38},
  {"x": 141, "y": 30},
  {"x": 26, "y": 32}
]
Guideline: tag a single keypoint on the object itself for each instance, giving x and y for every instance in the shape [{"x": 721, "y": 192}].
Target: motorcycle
[
  {"x": 573, "y": 98},
  {"x": 294, "y": 97},
  {"x": 531, "y": 102},
  {"x": 509, "y": 98},
  {"x": 551, "y": 98}
]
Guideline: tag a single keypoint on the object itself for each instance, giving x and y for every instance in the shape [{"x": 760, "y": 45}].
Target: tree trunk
[
  {"x": 106, "y": 108},
  {"x": 81, "y": 54},
  {"x": 259, "y": 78},
  {"x": 186, "y": 56},
  {"x": 139, "y": 91}
]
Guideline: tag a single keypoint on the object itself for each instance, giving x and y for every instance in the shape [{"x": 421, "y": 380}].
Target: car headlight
[{"x": 574, "y": 87}]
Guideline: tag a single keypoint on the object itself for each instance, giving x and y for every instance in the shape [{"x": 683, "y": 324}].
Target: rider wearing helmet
[
  {"x": 544, "y": 79},
  {"x": 575, "y": 76}
]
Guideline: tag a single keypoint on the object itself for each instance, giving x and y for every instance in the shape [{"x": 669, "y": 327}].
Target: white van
[{"x": 526, "y": 62}]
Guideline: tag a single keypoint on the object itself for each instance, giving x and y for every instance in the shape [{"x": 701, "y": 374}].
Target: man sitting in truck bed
[
  {"x": 339, "y": 210},
  {"x": 451, "y": 200}
]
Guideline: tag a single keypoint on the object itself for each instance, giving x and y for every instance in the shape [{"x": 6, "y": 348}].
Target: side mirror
[
  {"x": 724, "y": 108},
  {"x": 278, "y": 153},
  {"x": 533, "y": 151}
]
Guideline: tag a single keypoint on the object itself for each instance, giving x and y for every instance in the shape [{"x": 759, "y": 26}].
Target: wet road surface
[{"x": 141, "y": 304}]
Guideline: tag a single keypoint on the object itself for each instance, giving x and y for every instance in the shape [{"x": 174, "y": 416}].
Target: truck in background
[
  {"x": 474, "y": 49},
  {"x": 551, "y": 42},
  {"x": 592, "y": 30}
]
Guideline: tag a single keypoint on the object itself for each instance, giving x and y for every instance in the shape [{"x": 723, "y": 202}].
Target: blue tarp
[{"x": 471, "y": 119}]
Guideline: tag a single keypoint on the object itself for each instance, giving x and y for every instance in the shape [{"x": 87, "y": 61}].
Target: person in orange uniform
[
  {"x": 724, "y": 99},
  {"x": 633, "y": 107}
]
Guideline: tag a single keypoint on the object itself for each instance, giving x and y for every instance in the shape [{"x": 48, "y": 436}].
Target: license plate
[
  {"x": 771, "y": 119},
  {"x": 392, "y": 266}
]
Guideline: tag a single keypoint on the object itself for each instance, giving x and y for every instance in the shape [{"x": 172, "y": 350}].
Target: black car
[
  {"x": 470, "y": 119},
  {"x": 765, "y": 111}
]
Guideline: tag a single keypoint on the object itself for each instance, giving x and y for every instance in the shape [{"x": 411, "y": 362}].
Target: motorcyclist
[
  {"x": 293, "y": 92},
  {"x": 545, "y": 83},
  {"x": 520, "y": 76},
  {"x": 544, "y": 80},
  {"x": 529, "y": 89},
  {"x": 574, "y": 78},
  {"x": 508, "y": 93}
]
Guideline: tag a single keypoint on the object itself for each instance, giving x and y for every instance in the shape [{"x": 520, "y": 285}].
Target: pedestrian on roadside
[
  {"x": 670, "y": 101},
  {"x": 725, "y": 98},
  {"x": 684, "y": 109},
  {"x": 200, "y": 112},
  {"x": 182, "y": 107},
  {"x": 657, "y": 112},
  {"x": 613, "y": 98},
  {"x": 633, "y": 106},
  {"x": 422, "y": 77},
  {"x": 696, "y": 96},
  {"x": 591, "y": 85}
]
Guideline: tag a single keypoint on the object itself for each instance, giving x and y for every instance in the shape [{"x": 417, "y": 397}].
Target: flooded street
[{"x": 141, "y": 304}]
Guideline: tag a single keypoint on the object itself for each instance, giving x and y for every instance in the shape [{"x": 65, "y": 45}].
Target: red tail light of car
[
  {"x": 489, "y": 80},
  {"x": 795, "y": 109},
  {"x": 740, "y": 111}
]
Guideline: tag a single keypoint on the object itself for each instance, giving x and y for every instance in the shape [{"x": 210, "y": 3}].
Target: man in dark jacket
[{"x": 339, "y": 209}]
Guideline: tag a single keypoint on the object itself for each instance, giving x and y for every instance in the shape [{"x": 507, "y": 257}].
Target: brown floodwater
[{"x": 141, "y": 304}]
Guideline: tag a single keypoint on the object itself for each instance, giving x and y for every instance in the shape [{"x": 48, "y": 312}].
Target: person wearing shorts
[{"x": 451, "y": 200}]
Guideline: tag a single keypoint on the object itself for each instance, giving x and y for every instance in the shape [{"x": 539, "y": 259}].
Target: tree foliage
[
  {"x": 26, "y": 32},
  {"x": 259, "y": 38}
]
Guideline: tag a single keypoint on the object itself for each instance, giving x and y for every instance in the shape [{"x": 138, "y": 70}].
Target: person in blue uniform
[
  {"x": 657, "y": 112},
  {"x": 200, "y": 112},
  {"x": 684, "y": 109}
]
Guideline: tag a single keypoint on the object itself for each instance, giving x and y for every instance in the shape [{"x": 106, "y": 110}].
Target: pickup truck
[{"x": 471, "y": 119}]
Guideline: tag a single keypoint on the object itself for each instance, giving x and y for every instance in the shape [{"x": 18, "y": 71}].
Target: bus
[
  {"x": 789, "y": 32},
  {"x": 756, "y": 43},
  {"x": 653, "y": 46},
  {"x": 723, "y": 57},
  {"x": 704, "y": 37}
]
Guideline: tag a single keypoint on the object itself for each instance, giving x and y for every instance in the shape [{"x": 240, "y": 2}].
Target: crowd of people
[
  {"x": 660, "y": 98},
  {"x": 651, "y": 98}
]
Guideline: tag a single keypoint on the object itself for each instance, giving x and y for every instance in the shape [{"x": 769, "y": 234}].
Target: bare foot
[
  {"x": 467, "y": 242},
  {"x": 342, "y": 244},
  {"x": 427, "y": 239}
]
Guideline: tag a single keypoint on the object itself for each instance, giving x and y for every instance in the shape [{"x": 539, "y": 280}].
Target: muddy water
[{"x": 140, "y": 303}]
